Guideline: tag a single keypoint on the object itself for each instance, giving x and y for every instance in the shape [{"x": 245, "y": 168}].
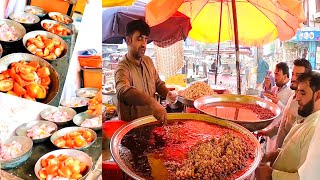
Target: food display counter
[
  {"x": 28, "y": 111},
  {"x": 60, "y": 65},
  {"x": 26, "y": 170}
]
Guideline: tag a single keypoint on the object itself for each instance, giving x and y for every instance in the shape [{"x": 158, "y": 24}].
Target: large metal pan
[
  {"x": 251, "y": 125},
  {"x": 149, "y": 120},
  {"x": 16, "y": 57}
]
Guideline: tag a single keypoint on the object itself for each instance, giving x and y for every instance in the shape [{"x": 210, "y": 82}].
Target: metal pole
[
  {"x": 236, "y": 40},
  {"x": 216, "y": 70}
]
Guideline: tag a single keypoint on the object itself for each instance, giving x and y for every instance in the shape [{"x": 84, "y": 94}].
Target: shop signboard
[{"x": 307, "y": 36}]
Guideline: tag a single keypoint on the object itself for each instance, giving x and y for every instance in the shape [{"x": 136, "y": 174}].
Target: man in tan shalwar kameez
[{"x": 137, "y": 80}]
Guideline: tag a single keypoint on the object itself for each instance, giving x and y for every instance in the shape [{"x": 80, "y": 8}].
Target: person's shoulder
[
  {"x": 147, "y": 60},
  {"x": 123, "y": 63}
]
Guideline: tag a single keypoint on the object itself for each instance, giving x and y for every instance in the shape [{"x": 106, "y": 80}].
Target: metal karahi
[
  {"x": 250, "y": 124},
  {"x": 116, "y": 148}
]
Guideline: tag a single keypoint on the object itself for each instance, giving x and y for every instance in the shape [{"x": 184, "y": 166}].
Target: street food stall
[
  {"x": 44, "y": 104},
  {"x": 216, "y": 140}
]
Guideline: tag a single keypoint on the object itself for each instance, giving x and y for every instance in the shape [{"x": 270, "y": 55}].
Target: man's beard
[
  {"x": 307, "y": 109},
  {"x": 279, "y": 84},
  {"x": 136, "y": 55}
]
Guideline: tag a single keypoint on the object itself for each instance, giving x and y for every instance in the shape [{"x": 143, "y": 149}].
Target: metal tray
[
  {"x": 249, "y": 124},
  {"x": 55, "y": 82},
  {"x": 149, "y": 120}
]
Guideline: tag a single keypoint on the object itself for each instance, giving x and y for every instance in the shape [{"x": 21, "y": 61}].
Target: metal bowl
[
  {"x": 149, "y": 120},
  {"x": 33, "y": 34},
  {"x": 29, "y": 9},
  {"x": 251, "y": 125},
  {"x": 22, "y": 130},
  {"x": 67, "y": 130},
  {"x": 56, "y": 22},
  {"x": 16, "y": 57},
  {"x": 57, "y": 13},
  {"x": 24, "y": 155},
  {"x": 74, "y": 100},
  {"x": 71, "y": 112},
  {"x": 79, "y": 155},
  {"x": 79, "y": 118},
  {"x": 183, "y": 100},
  {"x": 218, "y": 89},
  {"x": 80, "y": 92},
  {"x": 25, "y": 15},
  {"x": 21, "y": 31}
]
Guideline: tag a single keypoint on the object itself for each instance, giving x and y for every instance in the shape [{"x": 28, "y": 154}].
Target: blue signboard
[{"x": 307, "y": 36}]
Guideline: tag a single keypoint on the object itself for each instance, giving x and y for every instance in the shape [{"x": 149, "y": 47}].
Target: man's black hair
[
  {"x": 284, "y": 68},
  {"x": 313, "y": 78},
  {"x": 137, "y": 25},
  {"x": 304, "y": 63}
]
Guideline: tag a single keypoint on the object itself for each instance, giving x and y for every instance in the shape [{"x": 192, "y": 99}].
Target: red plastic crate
[{"x": 111, "y": 171}]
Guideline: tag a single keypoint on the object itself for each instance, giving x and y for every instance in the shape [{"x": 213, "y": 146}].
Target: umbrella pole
[
  {"x": 216, "y": 70},
  {"x": 236, "y": 40}
]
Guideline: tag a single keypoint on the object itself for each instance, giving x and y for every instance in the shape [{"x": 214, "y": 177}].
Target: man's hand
[
  {"x": 159, "y": 112},
  {"x": 273, "y": 97},
  {"x": 171, "y": 97},
  {"x": 270, "y": 157},
  {"x": 263, "y": 172}
]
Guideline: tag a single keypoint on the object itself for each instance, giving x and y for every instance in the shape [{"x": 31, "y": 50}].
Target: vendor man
[{"x": 137, "y": 80}]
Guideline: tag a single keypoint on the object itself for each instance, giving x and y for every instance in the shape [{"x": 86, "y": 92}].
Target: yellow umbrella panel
[{"x": 112, "y": 3}]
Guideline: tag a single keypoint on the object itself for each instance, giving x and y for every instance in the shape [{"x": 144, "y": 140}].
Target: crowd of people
[{"x": 290, "y": 135}]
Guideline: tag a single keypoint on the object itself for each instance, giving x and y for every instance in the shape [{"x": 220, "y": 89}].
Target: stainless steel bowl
[
  {"x": 16, "y": 57},
  {"x": 57, "y": 13},
  {"x": 56, "y": 22},
  {"x": 148, "y": 120},
  {"x": 22, "y": 130},
  {"x": 13, "y": 16},
  {"x": 29, "y": 9},
  {"x": 79, "y": 155},
  {"x": 79, "y": 118},
  {"x": 47, "y": 34},
  {"x": 67, "y": 130},
  {"x": 74, "y": 100},
  {"x": 71, "y": 113},
  {"x": 21, "y": 31},
  {"x": 251, "y": 125},
  {"x": 81, "y": 92},
  {"x": 24, "y": 155}
]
